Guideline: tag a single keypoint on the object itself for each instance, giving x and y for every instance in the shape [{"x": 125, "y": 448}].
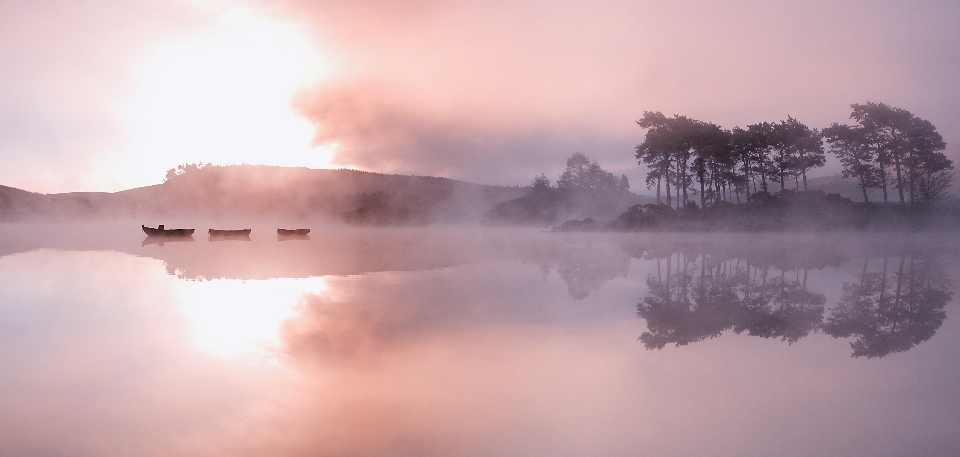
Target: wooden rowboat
[
  {"x": 160, "y": 231},
  {"x": 292, "y": 232},
  {"x": 215, "y": 232}
]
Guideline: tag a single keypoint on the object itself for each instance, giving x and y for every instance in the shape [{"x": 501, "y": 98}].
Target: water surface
[{"x": 477, "y": 342}]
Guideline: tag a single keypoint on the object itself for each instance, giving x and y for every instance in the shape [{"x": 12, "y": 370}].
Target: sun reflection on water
[{"x": 234, "y": 318}]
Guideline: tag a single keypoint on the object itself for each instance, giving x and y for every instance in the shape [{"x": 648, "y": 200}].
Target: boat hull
[
  {"x": 160, "y": 231},
  {"x": 215, "y": 232},
  {"x": 293, "y": 232}
]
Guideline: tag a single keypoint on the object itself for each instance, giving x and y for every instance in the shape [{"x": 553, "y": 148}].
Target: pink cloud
[{"x": 421, "y": 83}]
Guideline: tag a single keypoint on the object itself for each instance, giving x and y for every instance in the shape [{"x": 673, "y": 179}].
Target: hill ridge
[{"x": 236, "y": 191}]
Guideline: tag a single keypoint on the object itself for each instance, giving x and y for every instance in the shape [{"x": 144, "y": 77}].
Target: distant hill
[
  {"x": 15, "y": 201},
  {"x": 259, "y": 191},
  {"x": 834, "y": 184},
  {"x": 850, "y": 188}
]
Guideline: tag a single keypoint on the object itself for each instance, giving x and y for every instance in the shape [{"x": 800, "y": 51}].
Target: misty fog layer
[{"x": 469, "y": 341}]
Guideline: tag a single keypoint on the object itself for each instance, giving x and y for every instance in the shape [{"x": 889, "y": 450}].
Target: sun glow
[
  {"x": 226, "y": 97},
  {"x": 232, "y": 318}
]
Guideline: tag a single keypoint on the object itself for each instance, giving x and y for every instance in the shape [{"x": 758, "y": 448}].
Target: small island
[{"x": 755, "y": 178}]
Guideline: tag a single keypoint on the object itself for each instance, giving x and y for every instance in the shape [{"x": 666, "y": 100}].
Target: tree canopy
[
  {"x": 888, "y": 148},
  {"x": 584, "y": 175}
]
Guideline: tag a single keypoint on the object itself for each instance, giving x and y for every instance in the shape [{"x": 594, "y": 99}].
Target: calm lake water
[{"x": 477, "y": 342}]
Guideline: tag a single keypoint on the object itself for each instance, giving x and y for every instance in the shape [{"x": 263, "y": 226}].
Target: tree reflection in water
[
  {"x": 891, "y": 311},
  {"x": 706, "y": 296},
  {"x": 696, "y": 294},
  {"x": 586, "y": 269}
]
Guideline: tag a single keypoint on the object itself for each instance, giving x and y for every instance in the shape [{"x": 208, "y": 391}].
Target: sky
[{"x": 107, "y": 95}]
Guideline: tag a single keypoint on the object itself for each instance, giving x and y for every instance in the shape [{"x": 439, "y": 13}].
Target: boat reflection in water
[
  {"x": 159, "y": 240},
  {"x": 293, "y": 237},
  {"x": 293, "y": 234},
  {"x": 228, "y": 235},
  {"x": 229, "y": 238}
]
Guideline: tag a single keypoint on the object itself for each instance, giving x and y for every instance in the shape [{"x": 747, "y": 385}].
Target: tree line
[{"x": 887, "y": 148}]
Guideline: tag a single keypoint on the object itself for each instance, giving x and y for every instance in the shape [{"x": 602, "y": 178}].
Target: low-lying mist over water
[{"x": 462, "y": 340}]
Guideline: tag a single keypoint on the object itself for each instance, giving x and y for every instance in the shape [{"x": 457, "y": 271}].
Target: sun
[{"x": 225, "y": 97}]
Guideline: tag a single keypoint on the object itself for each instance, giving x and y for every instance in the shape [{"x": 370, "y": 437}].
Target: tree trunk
[
  {"x": 669, "y": 198},
  {"x": 719, "y": 190},
  {"x": 896, "y": 161},
  {"x": 747, "y": 176},
  {"x": 883, "y": 183},
  {"x": 658, "y": 189},
  {"x": 683, "y": 182},
  {"x": 863, "y": 187},
  {"x": 702, "y": 195},
  {"x": 911, "y": 177}
]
